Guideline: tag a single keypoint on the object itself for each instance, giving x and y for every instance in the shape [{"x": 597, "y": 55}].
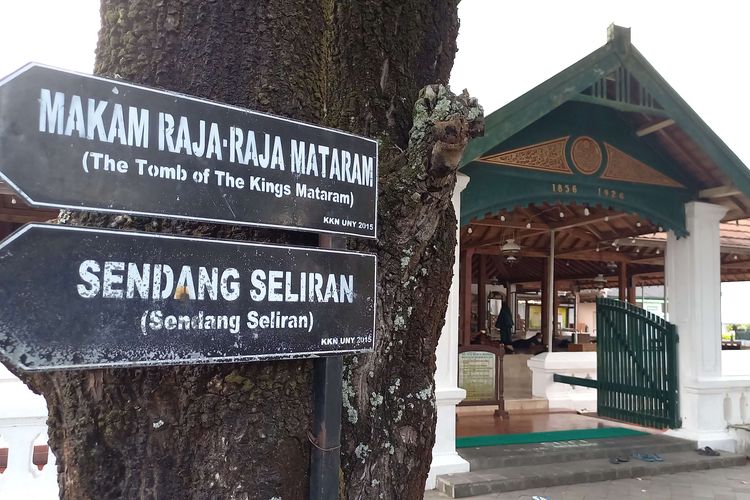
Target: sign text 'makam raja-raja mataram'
[
  {"x": 81, "y": 297},
  {"x": 83, "y": 142}
]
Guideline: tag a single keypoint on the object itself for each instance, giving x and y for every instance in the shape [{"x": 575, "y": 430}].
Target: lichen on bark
[{"x": 415, "y": 259}]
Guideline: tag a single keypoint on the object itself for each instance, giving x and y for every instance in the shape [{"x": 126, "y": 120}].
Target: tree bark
[
  {"x": 217, "y": 431},
  {"x": 383, "y": 54},
  {"x": 241, "y": 430}
]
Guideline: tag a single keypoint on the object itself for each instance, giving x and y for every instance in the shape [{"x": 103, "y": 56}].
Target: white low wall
[
  {"x": 732, "y": 411},
  {"x": 564, "y": 396},
  {"x": 735, "y": 368},
  {"x": 23, "y": 424},
  {"x": 733, "y": 388}
]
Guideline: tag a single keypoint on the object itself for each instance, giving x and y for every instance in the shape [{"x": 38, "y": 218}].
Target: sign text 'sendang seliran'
[{"x": 146, "y": 281}]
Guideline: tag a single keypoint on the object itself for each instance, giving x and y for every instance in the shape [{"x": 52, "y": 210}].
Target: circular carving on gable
[{"x": 586, "y": 155}]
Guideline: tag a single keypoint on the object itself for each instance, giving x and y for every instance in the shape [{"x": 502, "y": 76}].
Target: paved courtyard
[{"x": 721, "y": 484}]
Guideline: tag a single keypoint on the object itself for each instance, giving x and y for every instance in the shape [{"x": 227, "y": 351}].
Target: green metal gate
[{"x": 637, "y": 373}]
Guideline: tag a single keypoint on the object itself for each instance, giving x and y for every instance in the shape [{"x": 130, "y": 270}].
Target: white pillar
[
  {"x": 445, "y": 460},
  {"x": 693, "y": 289}
]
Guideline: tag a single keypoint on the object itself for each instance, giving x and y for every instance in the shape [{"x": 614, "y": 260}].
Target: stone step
[
  {"x": 506, "y": 479},
  {"x": 527, "y": 405},
  {"x": 490, "y": 457}
]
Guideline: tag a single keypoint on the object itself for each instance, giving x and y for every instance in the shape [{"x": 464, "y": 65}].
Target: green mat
[{"x": 543, "y": 437}]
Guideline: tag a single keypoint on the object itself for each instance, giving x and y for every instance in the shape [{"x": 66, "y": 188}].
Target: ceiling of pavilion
[{"x": 588, "y": 241}]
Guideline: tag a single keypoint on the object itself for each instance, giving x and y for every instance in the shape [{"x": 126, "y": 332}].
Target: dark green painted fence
[
  {"x": 637, "y": 374},
  {"x": 636, "y": 365}
]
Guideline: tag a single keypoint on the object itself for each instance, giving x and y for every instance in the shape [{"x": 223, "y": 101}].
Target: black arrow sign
[
  {"x": 82, "y": 142},
  {"x": 80, "y": 298}
]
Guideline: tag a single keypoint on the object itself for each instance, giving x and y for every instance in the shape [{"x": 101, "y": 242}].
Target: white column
[
  {"x": 693, "y": 289},
  {"x": 445, "y": 460}
]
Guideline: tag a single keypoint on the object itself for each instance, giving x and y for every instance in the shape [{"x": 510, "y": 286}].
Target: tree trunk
[
  {"x": 384, "y": 53},
  {"x": 217, "y": 431},
  {"x": 241, "y": 430}
]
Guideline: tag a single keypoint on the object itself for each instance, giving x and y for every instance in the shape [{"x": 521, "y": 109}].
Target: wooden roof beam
[
  {"x": 641, "y": 242},
  {"x": 495, "y": 250},
  {"x": 510, "y": 225},
  {"x": 480, "y": 235},
  {"x": 584, "y": 221},
  {"x": 620, "y": 106},
  {"x": 734, "y": 215},
  {"x": 481, "y": 243},
  {"x": 5, "y": 189},
  {"x": 653, "y": 243},
  {"x": 655, "y": 261},
  {"x": 740, "y": 264},
  {"x": 594, "y": 256},
  {"x": 719, "y": 192},
  {"x": 654, "y": 127},
  {"x": 584, "y": 255},
  {"x": 535, "y": 215},
  {"x": 531, "y": 232},
  {"x": 734, "y": 249},
  {"x": 603, "y": 244}
]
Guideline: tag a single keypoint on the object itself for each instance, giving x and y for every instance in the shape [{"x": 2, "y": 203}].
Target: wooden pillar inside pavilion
[
  {"x": 632, "y": 297},
  {"x": 482, "y": 294},
  {"x": 545, "y": 298},
  {"x": 555, "y": 305},
  {"x": 465, "y": 292},
  {"x": 622, "y": 283}
]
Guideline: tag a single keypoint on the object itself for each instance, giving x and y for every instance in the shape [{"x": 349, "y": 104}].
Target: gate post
[{"x": 693, "y": 281}]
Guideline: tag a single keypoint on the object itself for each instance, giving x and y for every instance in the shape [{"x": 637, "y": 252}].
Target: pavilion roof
[{"x": 618, "y": 77}]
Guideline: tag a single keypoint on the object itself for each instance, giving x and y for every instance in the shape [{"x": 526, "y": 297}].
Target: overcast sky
[{"x": 505, "y": 49}]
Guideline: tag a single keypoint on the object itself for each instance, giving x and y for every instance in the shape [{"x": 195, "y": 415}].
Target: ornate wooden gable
[{"x": 608, "y": 130}]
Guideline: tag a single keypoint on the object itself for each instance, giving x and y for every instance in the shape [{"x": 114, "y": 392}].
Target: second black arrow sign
[{"x": 80, "y": 298}]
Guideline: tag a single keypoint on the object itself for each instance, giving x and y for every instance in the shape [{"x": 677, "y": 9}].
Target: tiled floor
[
  {"x": 486, "y": 424},
  {"x": 720, "y": 484}
]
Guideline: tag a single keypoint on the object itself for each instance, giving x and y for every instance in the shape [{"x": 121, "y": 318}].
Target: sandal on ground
[{"x": 708, "y": 451}]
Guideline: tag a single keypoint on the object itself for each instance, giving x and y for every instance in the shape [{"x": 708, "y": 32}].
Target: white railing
[
  {"x": 559, "y": 395},
  {"x": 735, "y": 384},
  {"x": 23, "y": 426},
  {"x": 737, "y": 403},
  {"x": 737, "y": 410}
]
